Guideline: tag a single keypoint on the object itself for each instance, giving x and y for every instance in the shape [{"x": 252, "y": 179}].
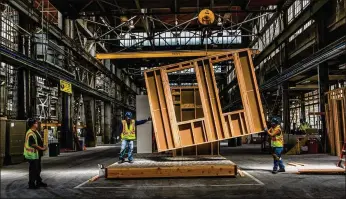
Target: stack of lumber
[
  {"x": 336, "y": 119},
  {"x": 163, "y": 166}
]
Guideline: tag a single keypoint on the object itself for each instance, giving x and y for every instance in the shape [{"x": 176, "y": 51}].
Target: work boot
[
  {"x": 121, "y": 161},
  {"x": 274, "y": 171},
  {"x": 33, "y": 186},
  {"x": 131, "y": 161},
  {"x": 41, "y": 184},
  {"x": 282, "y": 170}
]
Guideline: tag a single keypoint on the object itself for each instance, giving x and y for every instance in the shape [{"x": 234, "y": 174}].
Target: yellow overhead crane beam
[{"x": 163, "y": 54}]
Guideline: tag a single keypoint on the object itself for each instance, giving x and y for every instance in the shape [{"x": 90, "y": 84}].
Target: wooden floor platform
[{"x": 162, "y": 166}]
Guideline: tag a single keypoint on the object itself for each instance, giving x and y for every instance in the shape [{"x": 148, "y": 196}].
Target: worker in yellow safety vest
[
  {"x": 33, "y": 151},
  {"x": 128, "y": 135},
  {"x": 303, "y": 126},
  {"x": 277, "y": 143}
]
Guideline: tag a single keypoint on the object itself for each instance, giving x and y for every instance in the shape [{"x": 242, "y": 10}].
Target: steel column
[{"x": 107, "y": 122}]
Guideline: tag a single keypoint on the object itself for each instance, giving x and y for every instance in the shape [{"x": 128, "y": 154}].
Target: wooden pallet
[{"x": 173, "y": 167}]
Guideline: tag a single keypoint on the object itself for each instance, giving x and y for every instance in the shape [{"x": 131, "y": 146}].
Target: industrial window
[
  {"x": 9, "y": 30},
  {"x": 290, "y": 13},
  {"x": 300, "y": 30},
  {"x": 295, "y": 113},
  {"x": 311, "y": 102},
  {"x": 181, "y": 38},
  {"x": 9, "y": 19},
  {"x": 296, "y": 8}
]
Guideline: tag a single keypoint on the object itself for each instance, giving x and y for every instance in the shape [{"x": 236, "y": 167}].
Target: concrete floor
[{"x": 67, "y": 174}]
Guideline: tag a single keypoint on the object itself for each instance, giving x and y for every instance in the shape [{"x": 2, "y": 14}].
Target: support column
[
  {"x": 23, "y": 94},
  {"x": 107, "y": 122},
  {"x": 286, "y": 108},
  {"x": 323, "y": 78},
  {"x": 102, "y": 121},
  {"x": 89, "y": 106},
  {"x": 66, "y": 126},
  {"x": 285, "y": 86}
]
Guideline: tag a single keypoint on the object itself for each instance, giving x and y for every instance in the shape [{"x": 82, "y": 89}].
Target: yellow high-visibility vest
[
  {"x": 30, "y": 153},
  {"x": 277, "y": 140},
  {"x": 129, "y": 132}
]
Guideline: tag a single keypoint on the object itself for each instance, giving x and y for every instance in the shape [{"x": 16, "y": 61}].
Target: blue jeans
[
  {"x": 277, "y": 158},
  {"x": 125, "y": 143}
]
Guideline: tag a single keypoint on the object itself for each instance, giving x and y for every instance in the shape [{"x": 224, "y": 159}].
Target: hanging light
[
  {"x": 131, "y": 26},
  {"x": 219, "y": 22}
]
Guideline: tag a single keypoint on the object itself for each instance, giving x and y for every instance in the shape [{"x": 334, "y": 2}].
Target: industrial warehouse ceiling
[
  {"x": 164, "y": 25},
  {"x": 233, "y": 11}
]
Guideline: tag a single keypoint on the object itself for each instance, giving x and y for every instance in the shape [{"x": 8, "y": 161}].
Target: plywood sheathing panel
[{"x": 215, "y": 125}]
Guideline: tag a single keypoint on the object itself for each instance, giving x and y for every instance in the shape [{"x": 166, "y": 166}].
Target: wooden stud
[
  {"x": 164, "y": 113},
  {"x": 210, "y": 131},
  {"x": 170, "y": 108},
  {"x": 336, "y": 128},
  {"x": 211, "y": 98},
  {"x": 224, "y": 129},
  {"x": 155, "y": 125}
]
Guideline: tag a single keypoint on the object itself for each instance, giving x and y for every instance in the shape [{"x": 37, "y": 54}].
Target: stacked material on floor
[
  {"x": 163, "y": 166},
  {"x": 336, "y": 119},
  {"x": 215, "y": 125}
]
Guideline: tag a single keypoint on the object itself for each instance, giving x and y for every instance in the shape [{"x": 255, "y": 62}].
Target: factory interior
[{"x": 173, "y": 98}]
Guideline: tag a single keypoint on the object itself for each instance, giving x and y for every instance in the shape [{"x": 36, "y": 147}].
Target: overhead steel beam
[
  {"x": 298, "y": 22},
  {"x": 145, "y": 23},
  {"x": 333, "y": 50},
  {"x": 54, "y": 30},
  {"x": 55, "y": 73},
  {"x": 84, "y": 25},
  {"x": 162, "y": 54},
  {"x": 118, "y": 14}
]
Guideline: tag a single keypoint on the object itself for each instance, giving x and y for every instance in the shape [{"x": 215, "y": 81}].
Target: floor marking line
[
  {"x": 260, "y": 183},
  {"x": 252, "y": 177},
  {"x": 78, "y": 186}
]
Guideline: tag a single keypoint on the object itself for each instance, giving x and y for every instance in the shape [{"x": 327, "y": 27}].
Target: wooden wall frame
[
  {"x": 215, "y": 126},
  {"x": 336, "y": 119}
]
